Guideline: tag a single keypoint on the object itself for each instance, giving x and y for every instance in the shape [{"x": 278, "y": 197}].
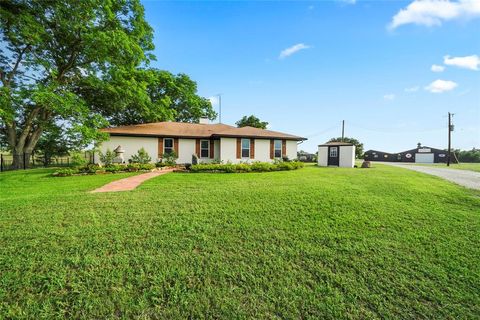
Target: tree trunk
[{"x": 23, "y": 148}]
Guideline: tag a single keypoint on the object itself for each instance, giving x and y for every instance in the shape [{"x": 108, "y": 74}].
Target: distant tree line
[{"x": 468, "y": 155}]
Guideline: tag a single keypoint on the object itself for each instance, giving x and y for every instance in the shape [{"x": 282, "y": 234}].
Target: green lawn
[
  {"x": 319, "y": 243},
  {"x": 461, "y": 166}
]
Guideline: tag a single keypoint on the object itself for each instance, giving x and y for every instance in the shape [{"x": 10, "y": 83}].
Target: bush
[
  {"x": 146, "y": 166},
  {"x": 141, "y": 157},
  {"x": 65, "y": 172},
  {"x": 169, "y": 159},
  {"x": 90, "y": 169},
  {"x": 246, "y": 167},
  {"x": 113, "y": 168},
  {"x": 78, "y": 159},
  {"x": 107, "y": 157}
]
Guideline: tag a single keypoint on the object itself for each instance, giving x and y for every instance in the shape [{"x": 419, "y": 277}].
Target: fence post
[
  {"x": 33, "y": 158},
  {"x": 45, "y": 160},
  {"x": 1, "y": 162},
  {"x": 24, "y": 162}
]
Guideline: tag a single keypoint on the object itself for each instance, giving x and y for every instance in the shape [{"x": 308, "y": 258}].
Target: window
[
  {"x": 245, "y": 148},
  {"x": 333, "y": 152},
  {"x": 167, "y": 145},
  {"x": 277, "y": 148},
  {"x": 204, "y": 149}
]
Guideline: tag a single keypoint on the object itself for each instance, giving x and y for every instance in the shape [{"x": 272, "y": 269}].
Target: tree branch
[{"x": 17, "y": 63}]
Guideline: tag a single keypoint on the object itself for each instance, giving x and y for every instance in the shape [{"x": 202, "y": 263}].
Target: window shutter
[
  {"x": 160, "y": 147},
  {"x": 197, "y": 147},
  {"x": 284, "y": 148},
  {"x": 252, "y": 148},
  {"x": 175, "y": 146},
  {"x": 239, "y": 148},
  {"x": 212, "y": 149},
  {"x": 271, "y": 149}
]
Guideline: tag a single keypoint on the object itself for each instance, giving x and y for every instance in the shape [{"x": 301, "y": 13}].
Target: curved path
[
  {"x": 130, "y": 183},
  {"x": 466, "y": 178}
]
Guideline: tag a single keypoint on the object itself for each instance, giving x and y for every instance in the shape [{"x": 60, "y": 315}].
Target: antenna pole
[
  {"x": 450, "y": 129},
  {"x": 343, "y": 129}
]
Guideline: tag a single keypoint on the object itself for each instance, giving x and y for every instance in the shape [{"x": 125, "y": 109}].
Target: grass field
[
  {"x": 461, "y": 166},
  {"x": 319, "y": 243}
]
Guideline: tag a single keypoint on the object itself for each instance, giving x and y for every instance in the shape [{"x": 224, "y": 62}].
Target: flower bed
[
  {"x": 246, "y": 167},
  {"x": 112, "y": 168}
]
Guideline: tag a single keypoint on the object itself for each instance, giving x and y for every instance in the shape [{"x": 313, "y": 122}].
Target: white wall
[
  {"x": 262, "y": 150},
  {"x": 291, "y": 149},
  {"x": 347, "y": 156},
  {"x": 131, "y": 145},
  {"x": 186, "y": 148},
  {"x": 322, "y": 156},
  {"x": 228, "y": 150}
]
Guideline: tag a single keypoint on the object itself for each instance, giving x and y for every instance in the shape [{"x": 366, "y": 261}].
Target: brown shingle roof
[
  {"x": 336, "y": 143},
  {"x": 195, "y": 130}
]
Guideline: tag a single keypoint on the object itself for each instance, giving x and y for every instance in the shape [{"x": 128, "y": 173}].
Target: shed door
[
  {"x": 333, "y": 156},
  {"x": 424, "y": 157}
]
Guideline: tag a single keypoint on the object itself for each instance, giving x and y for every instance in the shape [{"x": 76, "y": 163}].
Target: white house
[
  {"x": 339, "y": 154},
  {"x": 219, "y": 142}
]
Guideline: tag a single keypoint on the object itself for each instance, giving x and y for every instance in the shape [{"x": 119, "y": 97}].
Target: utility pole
[
  {"x": 450, "y": 129},
  {"x": 343, "y": 129},
  {"x": 219, "y": 107}
]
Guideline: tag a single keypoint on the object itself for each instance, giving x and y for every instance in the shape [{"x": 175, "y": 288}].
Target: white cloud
[
  {"x": 439, "y": 86},
  {"x": 389, "y": 97},
  {"x": 437, "y": 68},
  {"x": 469, "y": 62},
  {"x": 412, "y": 89},
  {"x": 434, "y": 12},
  {"x": 293, "y": 49},
  {"x": 348, "y": 1}
]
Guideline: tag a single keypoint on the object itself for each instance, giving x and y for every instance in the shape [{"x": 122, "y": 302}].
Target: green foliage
[
  {"x": 107, "y": 157},
  {"x": 251, "y": 121},
  {"x": 59, "y": 59},
  {"x": 78, "y": 159},
  {"x": 141, "y": 157},
  {"x": 166, "y": 97},
  {"x": 316, "y": 243},
  {"x": 247, "y": 167},
  {"x": 468, "y": 155},
  {"x": 169, "y": 159},
  {"x": 358, "y": 145},
  {"x": 65, "y": 172}
]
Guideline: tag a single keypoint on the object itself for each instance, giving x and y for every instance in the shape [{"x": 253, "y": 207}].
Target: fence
[{"x": 25, "y": 161}]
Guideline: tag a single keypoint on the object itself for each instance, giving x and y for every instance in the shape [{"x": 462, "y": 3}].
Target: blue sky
[{"x": 365, "y": 62}]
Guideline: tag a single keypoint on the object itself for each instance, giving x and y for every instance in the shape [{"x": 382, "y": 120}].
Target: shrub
[
  {"x": 113, "y": 168},
  {"x": 133, "y": 167},
  {"x": 90, "y": 169},
  {"x": 170, "y": 159},
  {"x": 141, "y": 157},
  {"x": 65, "y": 172},
  {"x": 246, "y": 167},
  {"x": 78, "y": 159},
  {"x": 146, "y": 166},
  {"x": 107, "y": 157}
]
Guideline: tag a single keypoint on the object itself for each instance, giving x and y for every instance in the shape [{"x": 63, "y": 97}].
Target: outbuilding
[
  {"x": 421, "y": 154},
  {"x": 338, "y": 154}
]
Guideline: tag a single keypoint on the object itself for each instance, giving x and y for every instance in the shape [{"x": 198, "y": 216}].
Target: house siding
[
  {"x": 224, "y": 149},
  {"x": 131, "y": 146}
]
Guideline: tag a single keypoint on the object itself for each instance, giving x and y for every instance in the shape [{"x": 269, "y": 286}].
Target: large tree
[
  {"x": 169, "y": 96},
  {"x": 53, "y": 50},
  {"x": 251, "y": 121},
  {"x": 358, "y": 145}
]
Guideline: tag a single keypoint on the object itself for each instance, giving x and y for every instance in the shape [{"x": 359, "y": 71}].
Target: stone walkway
[
  {"x": 130, "y": 183},
  {"x": 466, "y": 178}
]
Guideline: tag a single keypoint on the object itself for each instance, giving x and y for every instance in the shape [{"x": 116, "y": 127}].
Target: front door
[{"x": 333, "y": 156}]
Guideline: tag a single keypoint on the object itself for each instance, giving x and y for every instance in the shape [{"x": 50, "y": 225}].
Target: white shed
[{"x": 339, "y": 154}]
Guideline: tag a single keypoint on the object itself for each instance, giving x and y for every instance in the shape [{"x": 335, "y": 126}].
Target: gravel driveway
[{"x": 466, "y": 178}]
